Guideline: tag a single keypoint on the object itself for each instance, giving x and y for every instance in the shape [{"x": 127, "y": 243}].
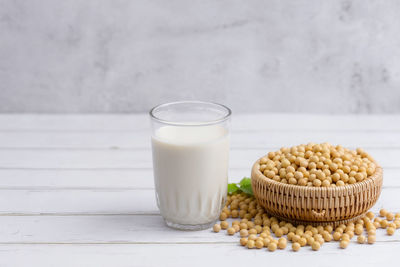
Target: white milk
[{"x": 190, "y": 172}]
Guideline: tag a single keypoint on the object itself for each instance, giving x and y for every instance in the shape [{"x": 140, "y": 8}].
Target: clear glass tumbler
[{"x": 190, "y": 145}]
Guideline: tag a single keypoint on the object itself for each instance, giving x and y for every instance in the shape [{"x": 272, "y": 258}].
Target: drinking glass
[{"x": 190, "y": 149}]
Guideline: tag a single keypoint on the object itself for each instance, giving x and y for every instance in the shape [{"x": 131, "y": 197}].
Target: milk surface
[{"x": 190, "y": 172}]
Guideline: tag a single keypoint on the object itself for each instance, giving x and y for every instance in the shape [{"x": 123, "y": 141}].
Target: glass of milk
[{"x": 190, "y": 145}]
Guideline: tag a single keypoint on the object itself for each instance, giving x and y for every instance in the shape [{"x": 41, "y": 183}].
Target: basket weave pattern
[{"x": 316, "y": 205}]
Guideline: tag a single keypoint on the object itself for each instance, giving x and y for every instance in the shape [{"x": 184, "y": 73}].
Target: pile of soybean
[{"x": 259, "y": 230}]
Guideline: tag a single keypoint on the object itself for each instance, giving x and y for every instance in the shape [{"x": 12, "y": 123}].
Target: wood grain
[
  {"x": 108, "y": 201},
  {"x": 112, "y": 178},
  {"x": 137, "y": 159},
  {"x": 240, "y": 122},
  {"x": 115, "y": 229},
  {"x": 196, "y": 255},
  {"x": 78, "y": 190},
  {"x": 131, "y": 140}
]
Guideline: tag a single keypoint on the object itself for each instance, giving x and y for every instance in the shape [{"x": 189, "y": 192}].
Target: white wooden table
[{"x": 77, "y": 190}]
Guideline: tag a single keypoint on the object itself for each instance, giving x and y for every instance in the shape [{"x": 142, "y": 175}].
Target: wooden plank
[
  {"x": 73, "y": 122},
  {"x": 276, "y": 139},
  {"x": 311, "y": 122},
  {"x": 77, "y": 179},
  {"x": 127, "y": 159},
  {"x": 176, "y": 255},
  {"x": 98, "y": 229},
  {"x": 87, "y": 179},
  {"x": 117, "y": 201},
  {"x": 240, "y": 122},
  {"x": 120, "y": 229},
  {"x": 113, "y": 179},
  {"x": 242, "y": 140},
  {"x": 73, "y": 202}
]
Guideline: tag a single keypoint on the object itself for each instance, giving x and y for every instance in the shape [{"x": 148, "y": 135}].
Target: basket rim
[{"x": 371, "y": 179}]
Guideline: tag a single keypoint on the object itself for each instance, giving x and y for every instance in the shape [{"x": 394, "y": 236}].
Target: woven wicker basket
[{"x": 316, "y": 205}]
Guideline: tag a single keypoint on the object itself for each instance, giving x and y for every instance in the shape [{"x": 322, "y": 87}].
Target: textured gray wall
[{"x": 126, "y": 56}]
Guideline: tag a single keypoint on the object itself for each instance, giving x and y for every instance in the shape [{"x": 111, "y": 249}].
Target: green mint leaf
[
  {"x": 245, "y": 186},
  {"x": 245, "y": 181},
  {"x": 247, "y": 189},
  {"x": 232, "y": 188}
]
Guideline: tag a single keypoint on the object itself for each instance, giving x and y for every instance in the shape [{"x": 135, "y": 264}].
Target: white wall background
[{"x": 128, "y": 55}]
